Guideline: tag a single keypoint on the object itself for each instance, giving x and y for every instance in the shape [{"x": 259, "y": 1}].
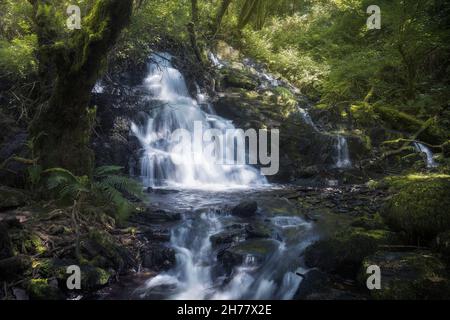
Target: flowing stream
[{"x": 260, "y": 264}]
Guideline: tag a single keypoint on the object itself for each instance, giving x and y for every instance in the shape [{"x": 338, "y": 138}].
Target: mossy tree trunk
[{"x": 69, "y": 69}]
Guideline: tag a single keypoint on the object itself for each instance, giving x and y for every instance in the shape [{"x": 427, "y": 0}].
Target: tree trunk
[
  {"x": 73, "y": 66},
  {"x": 220, "y": 14}
]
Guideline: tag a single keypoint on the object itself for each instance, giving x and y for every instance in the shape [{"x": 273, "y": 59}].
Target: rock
[
  {"x": 15, "y": 266},
  {"x": 245, "y": 209},
  {"x": 103, "y": 252},
  {"x": 12, "y": 198},
  {"x": 314, "y": 281},
  {"x": 234, "y": 78},
  {"x": 157, "y": 235},
  {"x": 420, "y": 207},
  {"x": 20, "y": 294},
  {"x": 258, "y": 230},
  {"x": 40, "y": 289},
  {"x": 93, "y": 278},
  {"x": 158, "y": 258},
  {"x": 417, "y": 275},
  {"x": 151, "y": 216},
  {"x": 343, "y": 253},
  {"x": 259, "y": 250},
  {"x": 231, "y": 234}
]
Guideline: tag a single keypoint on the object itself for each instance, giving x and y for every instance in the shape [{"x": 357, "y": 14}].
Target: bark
[
  {"x": 70, "y": 68},
  {"x": 220, "y": 14}
]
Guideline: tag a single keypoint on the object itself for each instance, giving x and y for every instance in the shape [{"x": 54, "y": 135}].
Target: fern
[{"x": 106, "y": 184}]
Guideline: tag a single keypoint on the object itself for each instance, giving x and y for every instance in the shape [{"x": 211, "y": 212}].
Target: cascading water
[
  {"x": 342, "y": 157},
  {"x": 429, "y": 154},
  {"x": 165, "y": 161},
  {"x": 198, "y": 275}
]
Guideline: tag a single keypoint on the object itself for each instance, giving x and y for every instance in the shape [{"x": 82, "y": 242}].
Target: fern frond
[
  {"x": 61, "y": 172},
  {"x": 125, "y": 184},
  {"x": 107, "y": 170}
]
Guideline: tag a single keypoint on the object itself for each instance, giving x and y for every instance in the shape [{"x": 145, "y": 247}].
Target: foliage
[{"x": 106, "y": 186}]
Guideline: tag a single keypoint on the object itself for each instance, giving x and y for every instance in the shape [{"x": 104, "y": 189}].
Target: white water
[
  {"x": 165, "y": 162},
  {"x": 429, "y": 154},
  {"x": 342, "y": 157},
  {"x": 195, "y": 277}
]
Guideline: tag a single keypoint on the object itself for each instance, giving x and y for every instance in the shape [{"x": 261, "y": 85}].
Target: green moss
[
  {"x": 408, "y": 275},
  {"x": 93, "y": 277},
  {"x": 420, "y": 206},
  {"x": 39, "y": 289},
  {"x": 344, "y": 252}
]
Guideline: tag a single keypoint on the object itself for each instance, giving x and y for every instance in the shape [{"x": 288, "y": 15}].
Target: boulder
[
  {"x": 419, "y": 207},
  {"x": 417, "y": 275},
  {"x": 231, "y": 234},
  {"x": 258, "y": 250},
  {"x": 245, "y": 209},
  {"x": 158, "y": 258},
  {"x": 152, "y": 216},
  {"x": 344, "y": 252}
]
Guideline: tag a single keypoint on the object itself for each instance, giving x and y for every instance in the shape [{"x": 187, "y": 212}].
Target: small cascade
[
  {"x": 342, "y": 154},
  {"x": 429, "y": 154},
  {"x": 166, "y": 161}
]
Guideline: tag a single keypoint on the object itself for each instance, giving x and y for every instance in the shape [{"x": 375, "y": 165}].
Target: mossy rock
[
  {"x": 420, "y": 207},
  {"x": 259, "y": 250},
  {"x": 102, "y": 251},
  {"x": 415, "y": 275},
  {"x": 93, "y": 278},
  {"x": 343, "y": 253},
  {"x": 369, "y": 222},
  {"x": 41, "y": 289},
  {"x": 238, "y": 79}
]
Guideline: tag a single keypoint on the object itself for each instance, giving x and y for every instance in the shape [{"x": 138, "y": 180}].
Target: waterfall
[
  {"x": 165, "y": 161},
  {"x": 196, "y": 276},
  {"x": 343, "y": 157},
  {"x": 429, "y": 154}
]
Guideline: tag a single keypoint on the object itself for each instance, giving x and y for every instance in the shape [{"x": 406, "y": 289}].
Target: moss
[
  {"x": 344, "y": 252},
  {"x": 238, "y": 79},
  {"x": 401, "y": 121},
  {"x": 93, "y": 277},
  {"x": 39, "y": 289},
  {"x": 420, "y": 206},
  {"x": 408, "y": 275}
]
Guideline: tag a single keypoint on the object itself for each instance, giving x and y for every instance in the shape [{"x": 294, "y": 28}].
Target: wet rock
[
  {"x": 234, "y": 233},
  {"x": 258, "y": 230},
  {"x": 415, "y": 275},
  {"x": 157, "y": 234},
  {"x": 245, "y": 209},
  {"x": 259, "y": 250},
  {"x": 152, "y": 216},
  {"x": 158, "y": 258}
]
